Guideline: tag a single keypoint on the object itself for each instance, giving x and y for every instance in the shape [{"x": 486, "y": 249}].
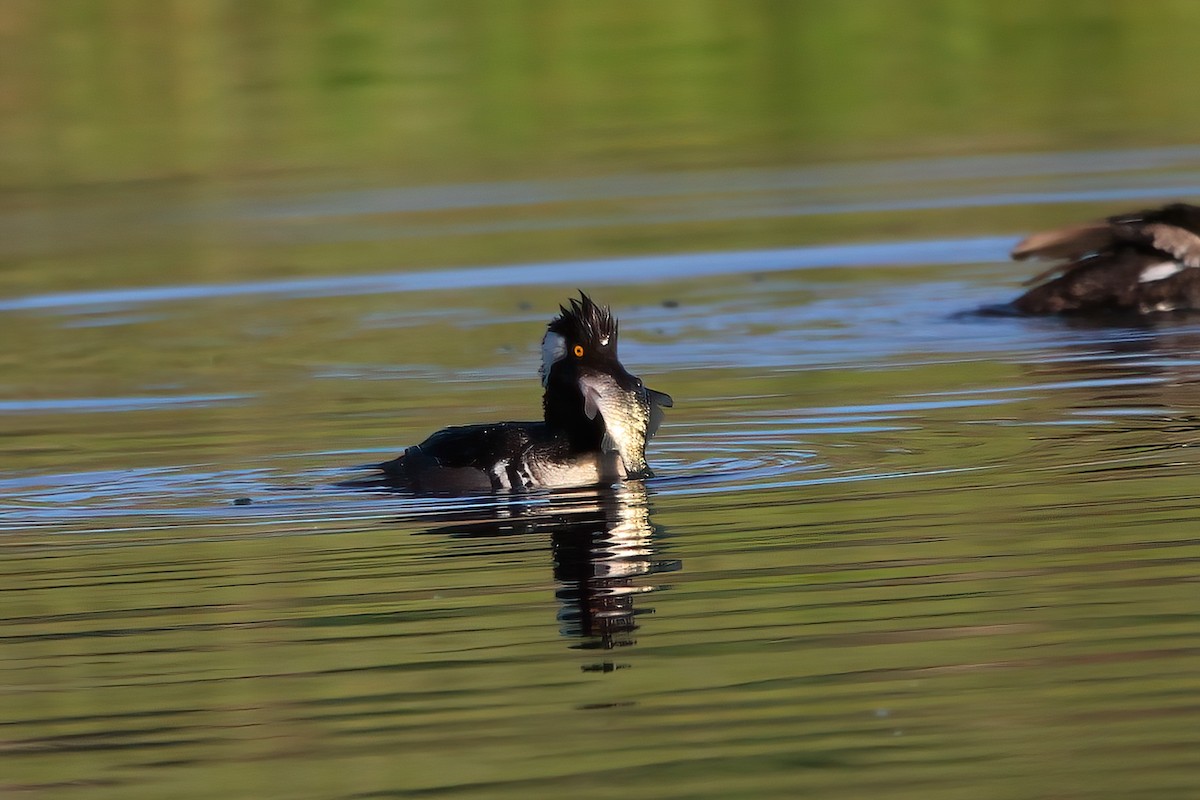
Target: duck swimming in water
[
  {"x": 1142, "y": 262},
  {"x": 597, "y": 418}
]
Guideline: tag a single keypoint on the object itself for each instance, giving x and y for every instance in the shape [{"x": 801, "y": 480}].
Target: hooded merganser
[
  {"x": 1142, "y": 262},
  {"x": 597, "y": 418}
]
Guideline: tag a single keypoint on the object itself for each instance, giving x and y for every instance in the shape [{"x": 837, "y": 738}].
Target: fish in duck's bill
[{"x": 631, "y": 413}]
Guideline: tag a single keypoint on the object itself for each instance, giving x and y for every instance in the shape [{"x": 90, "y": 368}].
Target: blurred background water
[{"x": 895, "y": 547}]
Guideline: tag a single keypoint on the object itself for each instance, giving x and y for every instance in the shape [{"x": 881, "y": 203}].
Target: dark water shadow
[
  {"x": 602, "y": 547},
  {"x": 1098, "y": 320},
  {"x": 1136, "y": 388},
  {"x": 1151, "y": 352}
]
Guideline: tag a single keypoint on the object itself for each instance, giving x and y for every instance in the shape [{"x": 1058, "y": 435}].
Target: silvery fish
[{"x": 631, "y": 413}]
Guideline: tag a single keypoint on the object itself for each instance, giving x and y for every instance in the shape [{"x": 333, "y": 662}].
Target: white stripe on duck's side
[
  {"x": 1160, "y": 271},
  {"x": 500, "y": 475},
  {"x": 509, "y": 475}
]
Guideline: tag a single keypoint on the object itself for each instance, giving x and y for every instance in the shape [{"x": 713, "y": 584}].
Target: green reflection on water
[{"x": 404, "y": 92}]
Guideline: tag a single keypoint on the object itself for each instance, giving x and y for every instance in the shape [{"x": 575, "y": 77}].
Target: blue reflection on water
[{"x": 605, "y": 271}]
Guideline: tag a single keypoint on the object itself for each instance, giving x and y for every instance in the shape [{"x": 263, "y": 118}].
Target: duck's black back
[{"x": 465, "y": 458}]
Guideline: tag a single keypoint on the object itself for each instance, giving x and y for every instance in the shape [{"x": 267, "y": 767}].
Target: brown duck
[{"x": 1141, "y": 262}]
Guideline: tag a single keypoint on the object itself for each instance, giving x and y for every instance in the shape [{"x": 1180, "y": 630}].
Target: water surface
[{"x": 895, "y": 547}]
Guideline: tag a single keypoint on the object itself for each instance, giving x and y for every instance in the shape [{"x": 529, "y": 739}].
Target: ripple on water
[{"x": 873, "y": 555}]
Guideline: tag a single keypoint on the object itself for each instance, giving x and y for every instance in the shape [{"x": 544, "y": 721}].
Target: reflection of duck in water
[
  {"x": 601, "y": 542},
  {"x": 596, "y": 562},
  {"x": 1136, "y": 378},
  {"x": 597, "y": 418},
  {"x": 1142, "y": 261}
]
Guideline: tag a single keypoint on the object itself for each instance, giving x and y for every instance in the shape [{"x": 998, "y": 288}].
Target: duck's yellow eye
[{"x": 579, "y": 351}]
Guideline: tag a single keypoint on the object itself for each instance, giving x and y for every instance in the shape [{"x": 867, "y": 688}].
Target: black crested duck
[{"x": 597, "y": 418}]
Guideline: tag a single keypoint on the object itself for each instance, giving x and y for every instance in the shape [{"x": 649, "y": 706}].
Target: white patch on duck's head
[
  {"x": 1159, "y": 271},
  {"x": 554, "y": 349}
]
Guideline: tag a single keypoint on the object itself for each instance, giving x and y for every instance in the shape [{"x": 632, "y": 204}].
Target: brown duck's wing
[
  {"x": 1173, "y": 230},
  {"x": 1071, "y": 242},
  {"x": 1076, "y": 241},
  {"x": 1178, "y": 243}
]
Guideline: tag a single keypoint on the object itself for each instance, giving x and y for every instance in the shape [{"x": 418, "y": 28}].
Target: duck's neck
[{"x": 562, "y": 407}]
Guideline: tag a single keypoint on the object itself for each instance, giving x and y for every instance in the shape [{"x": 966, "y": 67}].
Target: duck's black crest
[{"x": 585, "y": 321}]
